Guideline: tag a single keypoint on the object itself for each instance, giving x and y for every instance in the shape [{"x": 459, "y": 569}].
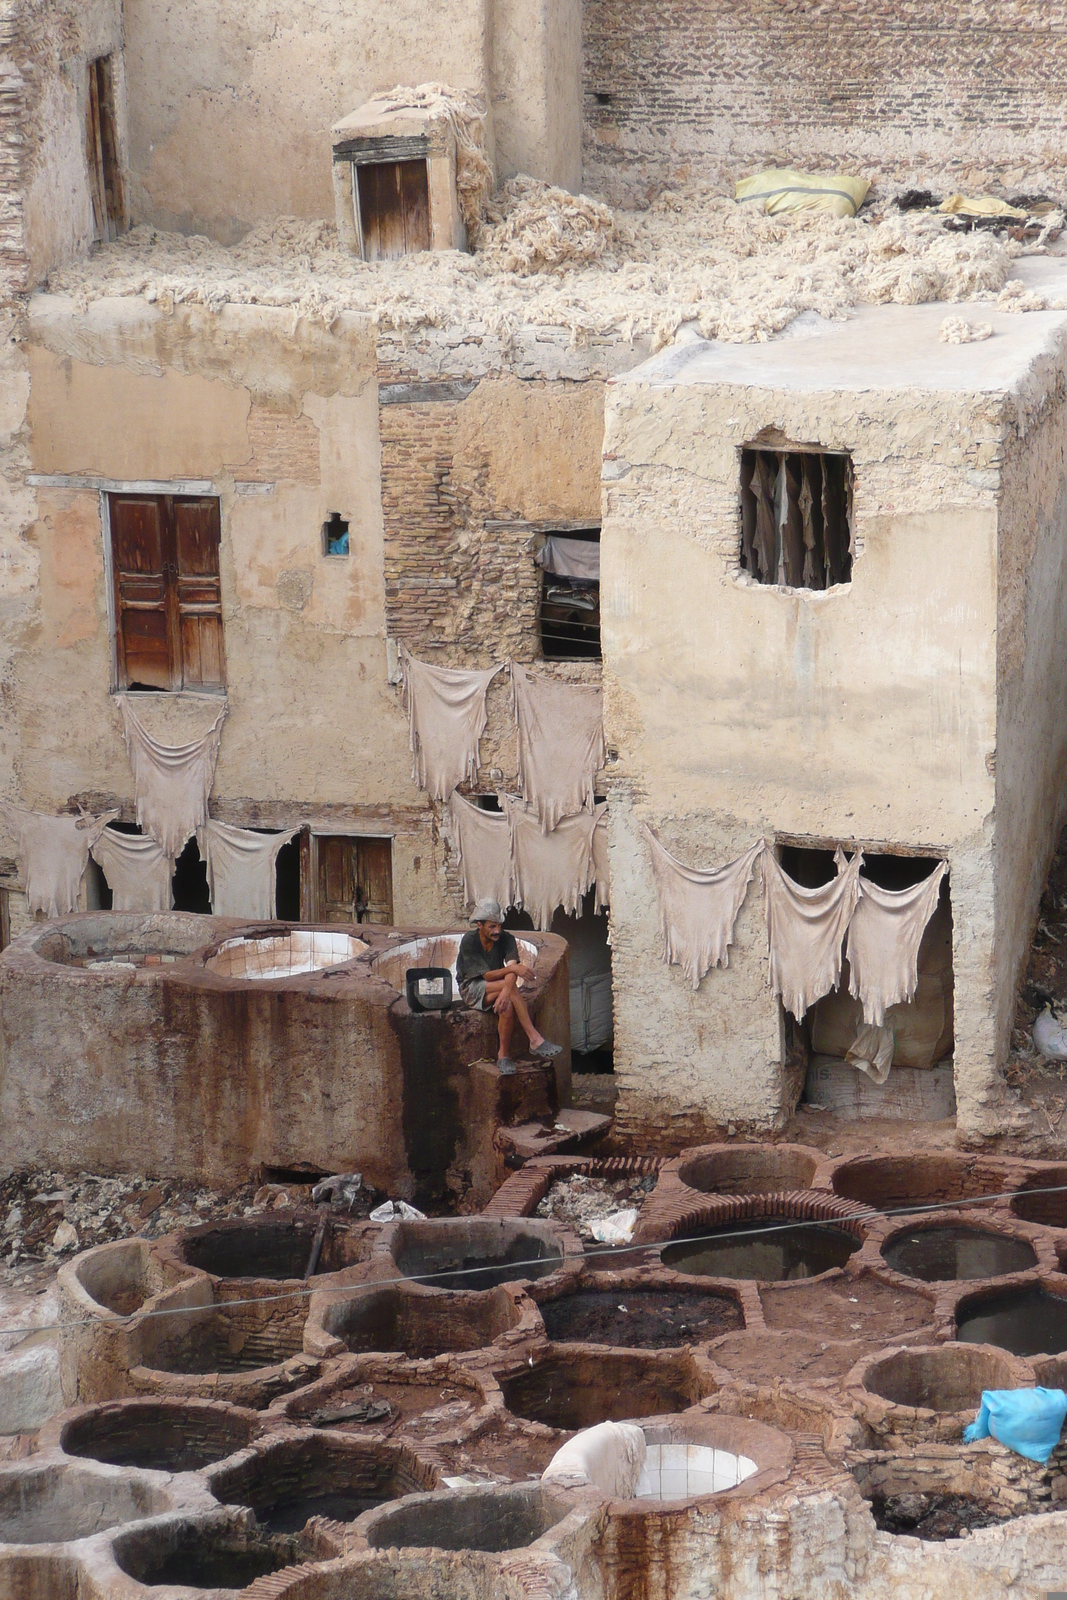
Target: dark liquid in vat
[
  {"x": 1028, "y": 1322},
  {"x": 771, "y": 1249},
  {"x": 289, "y": 1516},
  {"x": 936, "y": 1255}
]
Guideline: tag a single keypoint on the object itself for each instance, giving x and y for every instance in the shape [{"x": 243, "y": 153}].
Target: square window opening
[
  {"x": 570, "y": 595},
  {"x": 106, "y": 187},
  {"x": 335, "y": 535},
  {"x": 392, "y": 200},
  {"x": 796, "y": 517},
  {"x": 166, "y": 592}
]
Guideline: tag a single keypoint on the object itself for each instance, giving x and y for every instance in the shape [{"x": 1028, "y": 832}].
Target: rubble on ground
[{"x": 581, "y": 1201}]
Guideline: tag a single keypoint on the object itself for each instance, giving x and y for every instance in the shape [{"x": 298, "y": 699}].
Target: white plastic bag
[
  {"x": 397, "y": 1211},
  {"x": 616, "y": 1229}
]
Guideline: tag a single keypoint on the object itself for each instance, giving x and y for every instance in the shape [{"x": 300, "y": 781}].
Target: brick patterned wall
[{"x": 905, "y": 91}]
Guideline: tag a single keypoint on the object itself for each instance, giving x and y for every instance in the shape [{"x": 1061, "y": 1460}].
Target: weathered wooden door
[
  {"x": 355, "y": 880},
  {"x": 394, "y": 208},
  {"x": 168, "y": 597}
]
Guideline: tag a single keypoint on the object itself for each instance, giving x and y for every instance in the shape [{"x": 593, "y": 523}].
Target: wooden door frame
[{"x": 310, "y": 907}]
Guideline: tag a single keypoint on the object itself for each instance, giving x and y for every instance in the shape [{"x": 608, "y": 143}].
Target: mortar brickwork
[{"x": 910, "y": 91}]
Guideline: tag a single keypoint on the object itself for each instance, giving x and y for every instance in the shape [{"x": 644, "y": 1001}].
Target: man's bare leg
[{"x": 505, "y": 1026}]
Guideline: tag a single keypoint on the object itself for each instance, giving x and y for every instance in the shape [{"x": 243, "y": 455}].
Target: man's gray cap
[{"x": 486, "y": 911}]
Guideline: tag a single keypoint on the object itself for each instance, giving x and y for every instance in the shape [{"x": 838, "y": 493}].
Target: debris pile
[{"x": 581, "y": 1202}]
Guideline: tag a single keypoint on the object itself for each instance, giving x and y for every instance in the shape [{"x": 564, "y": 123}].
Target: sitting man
[{"x": 488, "y": 970}]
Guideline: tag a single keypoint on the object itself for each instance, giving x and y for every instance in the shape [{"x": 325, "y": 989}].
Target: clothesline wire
[{"x": 790, "y": 1224}]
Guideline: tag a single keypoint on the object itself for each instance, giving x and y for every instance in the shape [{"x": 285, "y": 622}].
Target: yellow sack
[
  {"x": 983, "y": 205},
  {"x": 782, "y": 190}
]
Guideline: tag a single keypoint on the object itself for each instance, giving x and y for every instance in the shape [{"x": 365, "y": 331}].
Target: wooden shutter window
[{"x": 168, "y": 598}]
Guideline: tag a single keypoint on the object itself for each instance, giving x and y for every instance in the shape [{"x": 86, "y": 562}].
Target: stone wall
[{"x": 959, "y": 94}]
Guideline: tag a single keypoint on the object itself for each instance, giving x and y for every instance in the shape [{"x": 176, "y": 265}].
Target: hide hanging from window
[
  {"x": 171, "y": 783},
  {"x": 52, "y": 855},
  {"x": 138, "y": 871},
  {"x": 570, "y": 558},
  {"x": 561, "y": 744},
  {"x": 446, "y": 720},
  {"x": 551, "y": 869},
  {"x": 698, "y": 910},
  {"x": 482, "y": 842},
  {"x": 806, "y": 929},
  {"x": 883, "y": 942},
  {"x": 241, "y": 869}
]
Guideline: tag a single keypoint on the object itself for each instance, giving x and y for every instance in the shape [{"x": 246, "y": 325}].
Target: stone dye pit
[
  {"x": 386, "y": 1416},
  {"x": 936, "y": 1254},
  {"x": 1028, "y": 1322},
  {"x": 770, "y": 1248}
]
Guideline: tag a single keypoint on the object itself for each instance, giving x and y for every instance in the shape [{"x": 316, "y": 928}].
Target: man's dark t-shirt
[{"x": 474, "y": 961}]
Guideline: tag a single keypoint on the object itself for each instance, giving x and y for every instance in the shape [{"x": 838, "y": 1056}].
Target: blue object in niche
[
  {"x": 1028, "y": 1421},
  {"x": 339, "y": 547}
]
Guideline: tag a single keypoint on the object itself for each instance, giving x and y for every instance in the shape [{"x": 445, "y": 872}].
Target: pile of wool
[{"x": 535, "y": 227}]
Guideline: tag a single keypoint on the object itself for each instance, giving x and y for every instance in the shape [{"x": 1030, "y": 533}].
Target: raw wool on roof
[
  {"x": 466, "y": 117},
  {"x": 692, "y": 256},
  {"x": 534, "y": 227}
]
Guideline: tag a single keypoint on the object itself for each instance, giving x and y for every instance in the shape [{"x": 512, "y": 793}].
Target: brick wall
[
  {"x": 12, "y": 116},
  {"x": 904, "y": 91}
]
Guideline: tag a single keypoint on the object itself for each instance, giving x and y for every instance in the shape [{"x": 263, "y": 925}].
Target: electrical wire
[{"x": 613, "y": 1251}]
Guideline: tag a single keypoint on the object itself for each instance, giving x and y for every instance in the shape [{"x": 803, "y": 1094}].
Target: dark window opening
[
  {"x": 570, "y": 596},
  {"x": 287, "y": 882},
  {"x": 335, "y": 535},
  {"x": 487, "y": 802},
  {"x": 189, "y": 884},
  {"x": 98, "y": 896},
  {"x": 5, "y": 920},
  {"x": 796, "y": 517},
  {"x": 102, "y": 152},
  {"x": 346, "y": 879},
  {"x": 393, "y": 199},
  {"x": 167, "y": 591},
  {"x": 603, "y": 97}
]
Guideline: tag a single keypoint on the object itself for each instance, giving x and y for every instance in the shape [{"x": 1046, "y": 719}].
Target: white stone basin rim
[
  {"x": 285, "y": 956},
  {"x": 683, "y": 1471}
]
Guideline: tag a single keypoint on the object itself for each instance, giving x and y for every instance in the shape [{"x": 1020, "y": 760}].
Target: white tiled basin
[
  {"x": 285, "y": 955},
  {"x": 682, "y": 1471}
]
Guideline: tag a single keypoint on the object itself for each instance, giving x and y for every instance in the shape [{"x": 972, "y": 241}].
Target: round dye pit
[
  {"x": 750, "y": 1169},
  {"x": 284, "y": 955},
  {"x": 1028, "y": 1322},
  {"x": 945, "y": 1378},
  {"x": 937, "y": 1255},
  {"x": 490, "y": 1520},
  {"x": 287, "y": 1482},
  {"x": 390, "y": 1321},
  {"x": 120, "y": 1277},
  {"x": 770, "y": 1249},
  {"x": 164, "y": 1435},
  {"x": 198, "y": 1557},
  {"x": 648, "y": 1319},
  {"x": 945, "y": 1496},
  {"x": 268, "y": 1248},
  {"x": 574, "y": 1389},
  {"x": 933, "y": 1517},
  {"x": 475, "y": 1253},
  {"x": 217, "y": 1341},
  {"x": 898, "y": 1182},
  {"x": 683, "y": 1471},
  {"x": 1043, "y": 1198}
]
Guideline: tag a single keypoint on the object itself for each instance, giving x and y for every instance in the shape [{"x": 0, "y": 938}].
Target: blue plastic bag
[{"x": 1028, "y": 1421}]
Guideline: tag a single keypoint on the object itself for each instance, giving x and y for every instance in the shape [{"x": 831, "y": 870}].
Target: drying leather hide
[
  {"x": 138, "y": 871},
  {"x": 240, "y": 869},
  {"x": 446, "y": 720},
  {"x": 561, "y": 744},
  {"x": 52, "y": 855},
  {"x": 883, "y": 942},
  {"x": 171, "y": 783},
  {"x": 550, "y": 869},
  {"x": 482, "y": 841},
  {"x": 806, "y": 929},
  {"x": 698, "y": 910}
]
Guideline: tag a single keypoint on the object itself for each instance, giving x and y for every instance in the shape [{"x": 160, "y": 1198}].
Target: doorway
[{"x": 346, "y": 878}]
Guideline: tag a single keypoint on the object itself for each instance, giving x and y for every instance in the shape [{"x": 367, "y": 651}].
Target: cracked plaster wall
[
  {"x": 863, "y": 714},
  {"x": 1031, "y": 752},
  {"x": 230, "y": 112}
]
